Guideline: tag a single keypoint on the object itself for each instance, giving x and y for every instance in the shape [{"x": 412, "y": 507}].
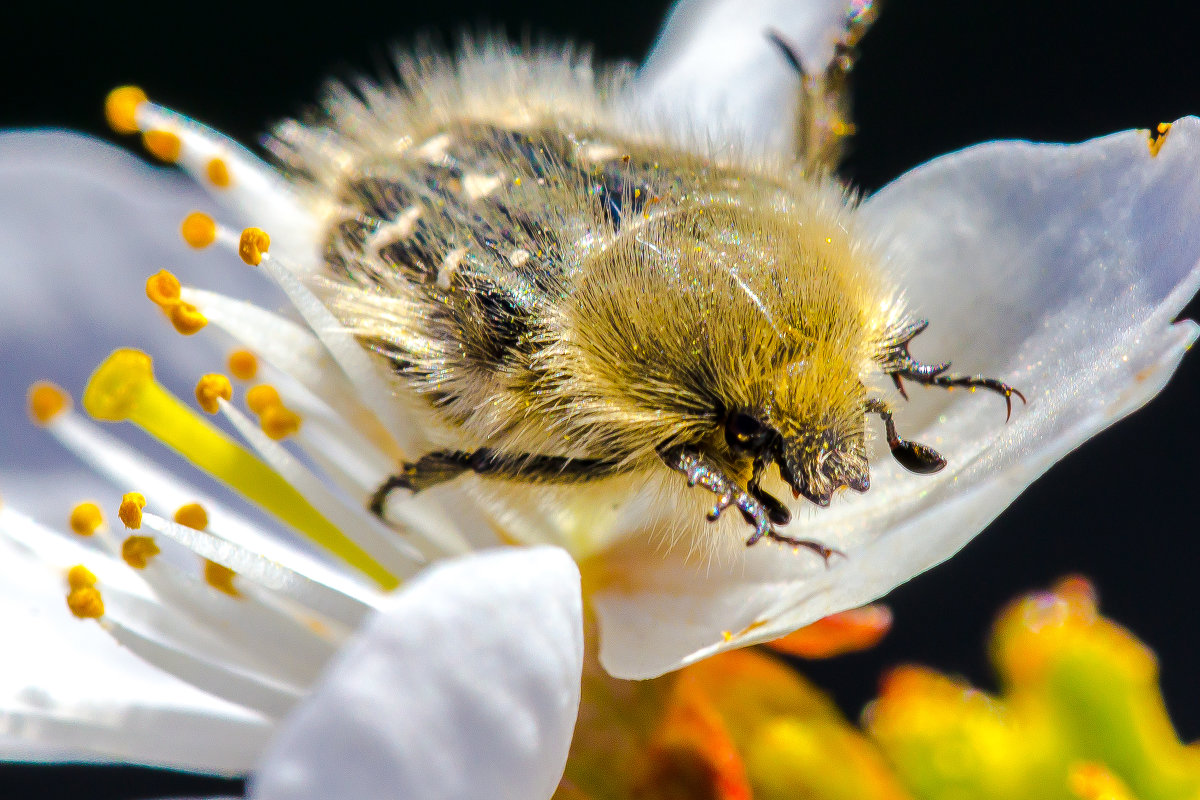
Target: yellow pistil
[
  {"x": 163, "y": 144},
  {"x": 211, "y": 388},
  {"x": 192, "y": 516},
  {"x": 252, "y": 244},
  {"x": 130, "y": 511},
  {"x": 243, "y": 365},
  {"x": 47, "y": 401},
  {"x": 120, "y": 108},
  {"x": 199, "y": 230},
  {"x": 86, "y": 603},
  {"x": 220, "y": 578},
  {"x": 86, "y": 519},
  {"x": 218, "y": 173},
  {"x": 138, "y": 550},
  {"x": 123, "y": 388}
]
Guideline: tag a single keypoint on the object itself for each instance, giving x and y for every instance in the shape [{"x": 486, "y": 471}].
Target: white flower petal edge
[
  {"x": 466, "y": 684},
  {"x": 713, "y": 65},
  {"x": 1059, "y": 268}
]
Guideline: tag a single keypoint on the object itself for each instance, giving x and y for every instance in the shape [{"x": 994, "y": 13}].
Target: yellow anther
[
  {"x": 124, "y": 388},
  {"x": 192, "y": 516},
  {"x": 199, "y": 230},
  {"x": 120, "y": 108},
  {"x": 243, "y": 365},
  {"x": 1158, "y": 137},
  {"x": 262, "y": 397},
  {"x": 163, "y": 288},
  {"x": 130, "y": 511},
  {"x": 86, "y": 603},
  {"x": 47, "y": 401},
  {"x": 254, "y": 242},
  {"x": 186, "y": 318},
  {"x": 210, "y": 389},
  {"x": 220, "y": 578},
  {"x": 86, "y": 519},
  {"x": 279, "y": 422},
  {"x": 138, "y": 550},
  {"x": 80, "y": 577},
  {"x": 163, "y": 144},
  {"x": 218, "y": 172}
]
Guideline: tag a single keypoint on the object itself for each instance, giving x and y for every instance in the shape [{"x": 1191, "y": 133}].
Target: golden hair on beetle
[{"x": 580, "y": 304}]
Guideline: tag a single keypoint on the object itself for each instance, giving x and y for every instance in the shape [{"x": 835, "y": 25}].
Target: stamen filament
[{"x": 123, "y": 388}]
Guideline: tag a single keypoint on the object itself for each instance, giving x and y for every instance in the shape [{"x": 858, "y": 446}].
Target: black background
[{"x": 934, "y": 75}]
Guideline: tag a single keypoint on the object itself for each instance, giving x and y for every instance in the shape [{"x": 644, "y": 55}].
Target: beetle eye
[{"x": 744, "y": 433}]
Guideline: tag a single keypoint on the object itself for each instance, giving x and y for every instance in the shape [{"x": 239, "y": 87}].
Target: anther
[
  {"x": 279, "y": 422},
  {"x": 138, "y": 550},
  {"x": 217, "y": 172},
  {"x": 253, "y": 245},
  {"x": 192, "y": 516},
  {"x": 47, "y": 401},
  {"x": 220, "y": 578},
  {"x": 163, "y": 288},
  {"x": 186, "y": 318},
  {"x": 276, "y": 419},
  {"x": 86, "y": 603},
  {"x": 120, "y": 108},
  {"x": 163, "y": 144},
  {"x": 199, "y": 230},
  {"x": 85, "y": 519},
  {"x": 80, "y": 577},
  {"x": 262, "y": 397},
  {"x": 212, "y": 388},
  {"x": 1158, "y": 137},
  {"x": 130, "y": 511},
  {"x": 243, "y": 365}
]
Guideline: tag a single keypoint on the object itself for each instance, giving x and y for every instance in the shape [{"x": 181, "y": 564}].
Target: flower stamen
[{"x": 123, "y": 388}]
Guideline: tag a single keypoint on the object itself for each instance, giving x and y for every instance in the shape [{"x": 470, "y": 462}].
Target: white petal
[
  {"x": 1057, "y": 268},
  {"x": 64, "y": 683},
  {"x": 713, "y": 65},
  {"x": 467, "y": 686}
]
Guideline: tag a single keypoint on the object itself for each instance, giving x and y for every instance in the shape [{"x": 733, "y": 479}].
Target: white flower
[{"x": 1059, "y": 268}]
